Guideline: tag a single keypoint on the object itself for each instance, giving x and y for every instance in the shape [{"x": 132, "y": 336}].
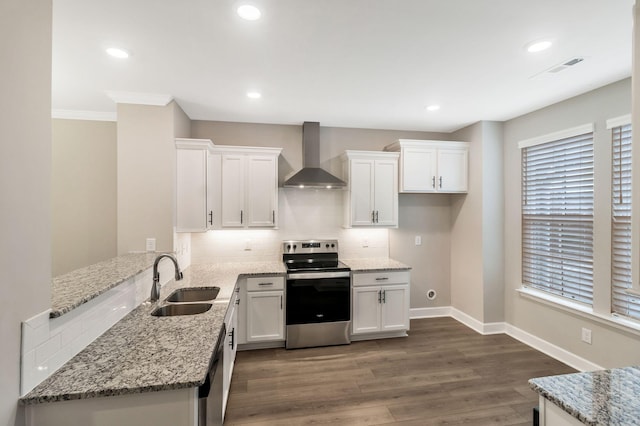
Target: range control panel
[{"x": 310, "y": 246}]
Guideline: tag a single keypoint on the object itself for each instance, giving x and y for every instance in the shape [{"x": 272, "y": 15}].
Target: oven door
[{"x": 318, "y": 297}]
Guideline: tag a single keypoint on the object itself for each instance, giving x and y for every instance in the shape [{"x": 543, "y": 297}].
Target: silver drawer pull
[
  {"x": 382, "y": 278},
  {"x": 263, "y": 284}
]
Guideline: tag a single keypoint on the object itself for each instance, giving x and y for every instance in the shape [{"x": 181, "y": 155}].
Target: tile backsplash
[
  {"x": 303, "y": 214},
  {"x": 48, "y": 343}
]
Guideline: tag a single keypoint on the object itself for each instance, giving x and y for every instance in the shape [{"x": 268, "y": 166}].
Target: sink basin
[
  {"x": 193, "y": 294},
  {"x": 173, "y": 310}
]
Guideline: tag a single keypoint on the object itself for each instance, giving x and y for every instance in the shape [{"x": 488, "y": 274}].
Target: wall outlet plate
[
  {"x": 586, "y": 335},
  {"x": 418, "y": 240},
  {"x": 151, "y": 244}
]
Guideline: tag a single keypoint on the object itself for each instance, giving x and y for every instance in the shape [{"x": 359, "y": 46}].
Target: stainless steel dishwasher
[{"x": 210, "y": 392}]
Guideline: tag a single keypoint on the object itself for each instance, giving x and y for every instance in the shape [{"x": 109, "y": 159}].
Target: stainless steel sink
[
  {"x": 186, "y": 309},
  {"x": 194, "y": 294}
]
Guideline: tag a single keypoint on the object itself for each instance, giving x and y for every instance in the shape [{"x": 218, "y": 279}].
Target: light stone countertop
[
  {"x": 375, "y": 264},
  {"x": 606, "y": 397},
  {"x": 70, "y": 290},
  {"x": 143, "y": 353}
]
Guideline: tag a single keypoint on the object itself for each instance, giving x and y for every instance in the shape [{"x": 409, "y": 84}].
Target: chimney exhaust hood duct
[{"x": 311, "y": 175}]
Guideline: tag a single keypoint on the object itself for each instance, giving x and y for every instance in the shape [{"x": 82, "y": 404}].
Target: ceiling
[{"x": 346, "y": 63}]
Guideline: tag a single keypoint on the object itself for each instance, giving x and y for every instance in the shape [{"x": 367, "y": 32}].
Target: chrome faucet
[{"x": 155, "y": 288}]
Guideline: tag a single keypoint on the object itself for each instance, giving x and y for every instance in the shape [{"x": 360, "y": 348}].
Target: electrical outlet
[
  {"x": 586, "y": 335},
  {"x": 151, "y": 244},
  {"x": 418, "y": 240},
  {"x": 247, "y": 245},
  {"x": 365, "y": 243}
]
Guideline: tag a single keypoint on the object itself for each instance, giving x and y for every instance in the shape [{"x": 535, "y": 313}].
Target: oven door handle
[{"x": 318, "y": 275}]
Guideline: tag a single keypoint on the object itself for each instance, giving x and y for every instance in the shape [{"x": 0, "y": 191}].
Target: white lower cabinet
[
  {"x": 230, "y": 347},
  {"x": 380, "y": 308},
  {"x": 262, "y": 310}
]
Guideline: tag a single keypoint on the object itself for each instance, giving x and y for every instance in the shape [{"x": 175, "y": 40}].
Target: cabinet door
[
  {"x": 395, "y": 307},
  {"x": 418, "y": 170},
  {"x": 386, "y": 192},
  {"x": 233, "y": 214},
  {"x": 452, "y": 170},
  {"x": 262, "y": 191},
  {"x": 265, "y": 316},
  {"x": 366, "y": 310},
  {"x": 214, "y": 191},
  {"x": 362, "y": 191},
  {"x": 230, "y": 348},
  {"x": 191, "y": 190}
]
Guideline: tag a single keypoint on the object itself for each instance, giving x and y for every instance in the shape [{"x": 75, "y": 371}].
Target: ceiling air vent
[{"x": 558, "y": 68}]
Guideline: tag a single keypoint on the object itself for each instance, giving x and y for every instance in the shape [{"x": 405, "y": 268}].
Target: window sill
[{"x": 611, "y": 320}]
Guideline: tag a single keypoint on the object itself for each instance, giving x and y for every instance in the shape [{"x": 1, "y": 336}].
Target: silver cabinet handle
[
  {"x": 382, "y": 278},
  {"x": 433, "y": 182},
  {"x": 379, "y": 296},
  {"x": 384, "y": 296},
  {"x": 440, "y": 181},
  {"x": 281, "y": 306},
  {"x": 241, "y": 214},
  {"x": 232, "y": 335},
  {"x": 377, "y": 216},
  {"x": 263, "y": 284},
  {"x": 373, "y": 216},
  {"x": 211, "y": 217},
  {"x": 273, "y": 217}
]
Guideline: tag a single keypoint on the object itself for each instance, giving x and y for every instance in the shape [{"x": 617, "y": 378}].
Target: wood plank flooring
[{"x": 442, "y": 374}]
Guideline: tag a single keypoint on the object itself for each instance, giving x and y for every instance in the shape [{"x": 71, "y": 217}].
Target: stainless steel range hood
[{"x": 311, "y": 175}]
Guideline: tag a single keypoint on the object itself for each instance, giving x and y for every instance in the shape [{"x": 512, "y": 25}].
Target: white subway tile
[{"x": 47, "y": 349}]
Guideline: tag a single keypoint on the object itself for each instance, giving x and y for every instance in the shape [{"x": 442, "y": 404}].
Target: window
[
  {"x": 557, "y": 214},
  {"x": 622, "y": 303}
]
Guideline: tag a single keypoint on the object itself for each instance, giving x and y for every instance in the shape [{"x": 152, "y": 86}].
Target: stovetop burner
[{"x": 312, "y": 255}]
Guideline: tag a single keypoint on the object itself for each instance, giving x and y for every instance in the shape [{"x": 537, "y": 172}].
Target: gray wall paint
[
  {"x": 25, "y": 177},
  {"x": 427, "y": 216},
  {"x": 467, "y": 288},
  {"x": 146, "y": 174},
  {"x": 550, "y": 323},
  {"x": 83, "y": 200}
]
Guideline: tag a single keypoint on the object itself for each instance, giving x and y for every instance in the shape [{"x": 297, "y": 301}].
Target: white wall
[
  {"x": 25, "y": 169},
  {"x": 611, "y": 346}
]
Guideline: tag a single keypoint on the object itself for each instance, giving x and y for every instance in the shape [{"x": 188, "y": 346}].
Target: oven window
[{"x": 318, "y": 300}]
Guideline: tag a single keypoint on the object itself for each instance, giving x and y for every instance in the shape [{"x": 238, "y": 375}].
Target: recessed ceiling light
[
  {"x": 433, "y": 108},
  {"x": 116, "y": 52},
  {"x": 254, "y": 95},
  {"x": 538, "y": 46},
  {"x": 249, "y": 12}
]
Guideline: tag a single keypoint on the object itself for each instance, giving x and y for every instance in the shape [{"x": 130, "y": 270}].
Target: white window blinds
[
  {"x": 622, "y": 302},
  {"x": 557, "y": 217}
]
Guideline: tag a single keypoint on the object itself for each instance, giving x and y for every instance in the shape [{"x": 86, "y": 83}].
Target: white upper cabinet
[
  {"x": 432, "y": 166},
  {"x": 371, "y": 198},
  {"x": 197, "y": 186},
  {"x": 249, "y": 186}
]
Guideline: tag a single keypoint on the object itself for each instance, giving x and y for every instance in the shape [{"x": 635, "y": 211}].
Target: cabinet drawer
[
  {"x": 265, "y": 283},
  {"x": 380, "y": 278}
]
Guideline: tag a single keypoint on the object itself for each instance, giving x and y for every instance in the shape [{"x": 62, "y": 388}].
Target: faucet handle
[{"x": 179, "y": 275}]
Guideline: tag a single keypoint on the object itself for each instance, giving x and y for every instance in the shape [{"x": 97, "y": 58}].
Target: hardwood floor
[{"x": 443, "y": 373}]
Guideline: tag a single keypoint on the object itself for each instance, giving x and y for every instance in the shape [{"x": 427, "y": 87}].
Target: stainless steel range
[{"x": 318, "y": 294}]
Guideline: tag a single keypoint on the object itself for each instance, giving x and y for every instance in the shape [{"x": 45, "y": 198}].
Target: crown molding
[
  {"x": 68, "y": 114},
  {"x": 155, "y": 99}
]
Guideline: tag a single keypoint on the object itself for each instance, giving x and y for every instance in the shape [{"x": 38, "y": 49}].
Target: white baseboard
[
  {"x": 552, "y": 350},
  {"x": 528, "y": 339},
  {"x": 440, "y": 311}
]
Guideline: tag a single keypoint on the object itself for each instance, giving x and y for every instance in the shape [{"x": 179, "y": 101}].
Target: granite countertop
[
  {"x": 70, "y": 290},
  {"x": 374, "y": 264},
  {"x": 607, "y": 397},
  {"x": 143, "y": 353}
]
